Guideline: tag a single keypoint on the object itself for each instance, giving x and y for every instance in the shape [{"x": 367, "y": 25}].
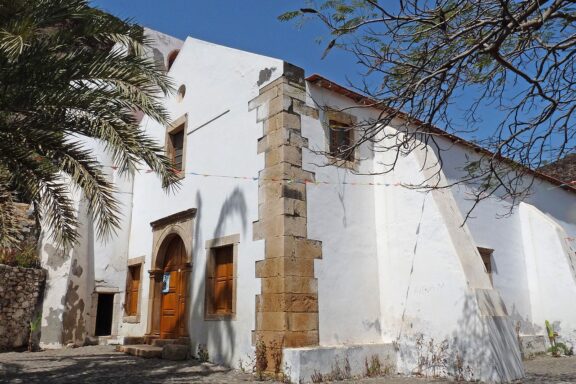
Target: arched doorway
[{"x": 174, "y": 294}]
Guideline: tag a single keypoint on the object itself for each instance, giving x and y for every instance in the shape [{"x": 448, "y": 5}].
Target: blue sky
[
  {"x": 252, "y": 25},
  {"x": 249, "y": 25}
]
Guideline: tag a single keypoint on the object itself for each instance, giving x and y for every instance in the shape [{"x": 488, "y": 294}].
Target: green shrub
[{"x": 26, "y": 256}]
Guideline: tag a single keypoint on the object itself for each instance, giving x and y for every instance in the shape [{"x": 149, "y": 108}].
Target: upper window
[
  {"x": 176, "y": 145},
  {"x": 340, "y": 140},
  {"x": 176, "y": 148},
  {"x": 172, "y": 57},
  {"x": 486, "y": 254},
  {"x": 221, "y": 278},
  {"x": 181, "y": 93},
  {"x": 132, "y": 289}
]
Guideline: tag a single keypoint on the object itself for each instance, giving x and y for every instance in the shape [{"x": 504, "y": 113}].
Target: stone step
[
  {"x": 111, "y": 341},
  {"x": 163, "y": 342},
  {"x": 148, "y": 339},
  {"x": 133, "y": 340},
  {"x": 175, "y": 352},
  {"x": 141, "y": 350},
  {"x": 183, "y": 341}
]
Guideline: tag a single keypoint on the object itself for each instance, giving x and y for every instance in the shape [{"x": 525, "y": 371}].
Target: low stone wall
[{"x": 21, "y": 290}]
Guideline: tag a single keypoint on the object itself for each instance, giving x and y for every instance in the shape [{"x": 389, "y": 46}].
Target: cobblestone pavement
[{"x": 101, "y": 365}]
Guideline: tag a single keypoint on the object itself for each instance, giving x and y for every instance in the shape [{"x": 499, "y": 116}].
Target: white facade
[{"x": 397, "y": 269}]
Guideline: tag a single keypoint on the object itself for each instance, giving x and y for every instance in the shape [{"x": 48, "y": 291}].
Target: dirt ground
[{"x": 102, "y": 365}]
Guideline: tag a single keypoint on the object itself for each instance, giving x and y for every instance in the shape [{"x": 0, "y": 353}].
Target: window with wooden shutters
[
  {"x": 341, "y": 140},
  {"x": 220, "y": 300},
  {"x": 133, "y": 289},
  {"x": 223, "y": 280},
  {"x": 176, "y": 144}
]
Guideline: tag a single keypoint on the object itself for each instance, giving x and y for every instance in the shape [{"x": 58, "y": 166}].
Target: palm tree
[{"x": 69, "y": 72}]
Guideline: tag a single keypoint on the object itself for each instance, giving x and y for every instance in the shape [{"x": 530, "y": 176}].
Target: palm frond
[{"x": 70, "y": 74}]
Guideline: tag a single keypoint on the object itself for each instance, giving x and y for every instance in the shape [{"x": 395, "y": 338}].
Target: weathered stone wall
[
  {"x": 287, "y": 308},
  {"x": 21, "y": 289}
]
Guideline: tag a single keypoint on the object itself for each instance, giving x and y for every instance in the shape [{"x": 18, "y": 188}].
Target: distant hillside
[{"x": 563, "y": 169}]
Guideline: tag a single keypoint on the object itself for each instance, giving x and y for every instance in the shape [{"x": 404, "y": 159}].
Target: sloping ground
[
  {"x": 563, "y": 169},
  {"x": 102, "y": 365}
]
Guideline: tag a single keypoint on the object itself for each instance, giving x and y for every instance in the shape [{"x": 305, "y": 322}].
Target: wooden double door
[{"x": 174, "y": 299}]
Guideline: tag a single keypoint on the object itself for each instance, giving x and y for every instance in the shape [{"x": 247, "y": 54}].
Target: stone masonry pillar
[{"x": 287, "y": 308}]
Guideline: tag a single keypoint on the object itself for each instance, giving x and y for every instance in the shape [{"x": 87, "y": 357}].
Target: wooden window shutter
[
  {"x": 223, "y": 280},
  {"x": 176, "y": 148},
  {"x": 132, "y": 290},
  {"x": 340, "y": 139}
]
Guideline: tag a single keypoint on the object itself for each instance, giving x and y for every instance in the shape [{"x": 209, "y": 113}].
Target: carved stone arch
[
  {"x": 165, "y": 236},
  {"x": 164, "y": 230}
]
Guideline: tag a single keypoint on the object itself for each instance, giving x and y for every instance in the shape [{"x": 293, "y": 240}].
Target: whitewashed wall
[
  {"x": 342, "y": 216},
  {"x": 533, "y": 265},
  {"x": 217, "y": 79},
  {"x": 397, "y": 264},
  {"x": 94, "y": 265}
]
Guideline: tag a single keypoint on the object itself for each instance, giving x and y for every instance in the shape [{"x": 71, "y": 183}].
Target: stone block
[
  {"x": 285, "y": 153},
  {"x": 146, "y": 351},
  {"x": 296, "y": 139},
  {"x": 278, "y": 226},
  {"x": 295, "y": 339},
  {"x": 292, "y": 284},
  {"x": 262, "y": 113},
  {"x": 532, "y": 345},
  {"x": 264, "y": 97},
  {"x": 273, "y": 226},
  {"x": 341, "y": 117},
  {"x": 271, "y": 208},
  {"x": 287, "y": 302},
  {"x": 175, "y": 352},
  {"x": 293, "y": 74},
  {"x": 292, "y": 90},
  {"x": 262, "y": 144},
  {"x": 300, "y": 208},
  {"x": 271, "y": 321},
  {"x": 279, "y": 104},
  {"x": 276, "y": 83},
  {"x": 307, "y": 248},
  {"x": 281, "y": 120},
  {"x": 280, "y": 246},
  {"x": 270, "y": 190},
  {"x": 293, "y": 247},
  {"x": 302, "y": 302},
  {"x": 303, "y": 321},
  {"x": 306, "y": 362},
  {"x": 268, "y": 337},
  {"x": 281, "y": 137},
  {"x": 303, "y": 109},
  {"x": 271, "y": 302},
  {"x": 295, "y": 226},
  {"x": 294, "y": 191}
]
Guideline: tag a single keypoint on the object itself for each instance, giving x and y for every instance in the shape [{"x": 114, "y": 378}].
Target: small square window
[
  {"x": 220, "y": 282},
  {"x": 486, "y": 254},
  {"x": 132, "y": 289},
  {"x": 341, "y": 140}
]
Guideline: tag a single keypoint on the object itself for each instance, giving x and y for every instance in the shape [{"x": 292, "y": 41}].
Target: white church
[{"x": 270, "y": 241}]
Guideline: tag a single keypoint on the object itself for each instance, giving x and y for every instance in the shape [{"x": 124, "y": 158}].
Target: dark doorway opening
[{"x": 104, "y": 313}]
